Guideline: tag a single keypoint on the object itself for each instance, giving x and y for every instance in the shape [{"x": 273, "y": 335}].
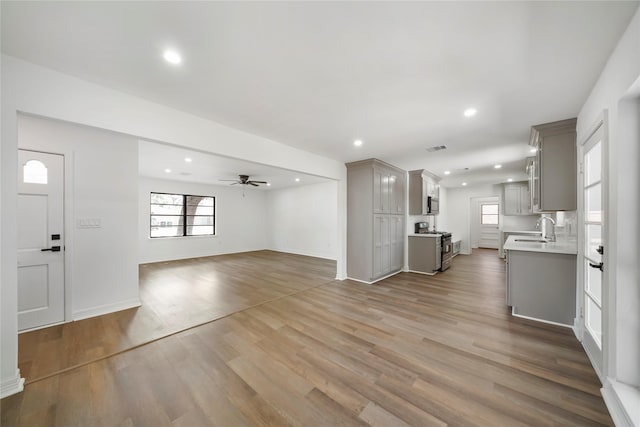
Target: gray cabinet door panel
[{"x": 542, "y": 285}]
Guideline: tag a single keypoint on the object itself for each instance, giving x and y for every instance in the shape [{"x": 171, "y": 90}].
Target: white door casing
[
  {"x": 40, "y": 239},
  {"x": 489, "y": 223},
  {"x": 591, "y": 260},
  {"x": 484, "y": 235}
]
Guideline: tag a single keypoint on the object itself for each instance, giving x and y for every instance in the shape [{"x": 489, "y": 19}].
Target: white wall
[
  {"x": 457, "y": 211},
  {"x": 302, "y": 220},
  {"x": 100, "y": 168},
  {"x": 618, "y": 91},
  {"x": 241, "y": 223},
  {"x": 40, "y": 91}
]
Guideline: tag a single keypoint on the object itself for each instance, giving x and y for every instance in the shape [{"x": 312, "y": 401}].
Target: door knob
[
  {"x": 599, "y": 266},
  {"x": 52, "y": 249}
]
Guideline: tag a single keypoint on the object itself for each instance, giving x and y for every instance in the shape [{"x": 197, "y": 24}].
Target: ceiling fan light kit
[{"x": 244, "y": 180}]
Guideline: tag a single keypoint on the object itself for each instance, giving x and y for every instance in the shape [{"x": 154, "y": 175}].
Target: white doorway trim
[
  {"x": 474, "y": 215},
  {"x": 600, "y": 366},
  {"x": 69, "y": 221}
]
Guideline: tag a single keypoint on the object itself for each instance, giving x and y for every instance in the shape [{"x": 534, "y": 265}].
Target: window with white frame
[
  {"x": 489, "y": 214},
  {"x": 179, "y": 215}
]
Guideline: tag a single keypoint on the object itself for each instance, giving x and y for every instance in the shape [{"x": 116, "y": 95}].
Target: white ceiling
[
  {"x": 206, "y": 168},
  {"x": 317, "y": 75}
]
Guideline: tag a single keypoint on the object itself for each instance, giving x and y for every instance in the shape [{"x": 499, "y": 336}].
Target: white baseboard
[
  {"x": 303, "y": 253},
  {"x": 374, "y": 281},
  {"x": 577, "y": 329},
  {"x": 513, "y": 313},
  {"x": 12, "y": 386},
  {"x": 106, "y": 309},
  {"x": 422, "y": 272},
  {"x": 623, "y": 403}
]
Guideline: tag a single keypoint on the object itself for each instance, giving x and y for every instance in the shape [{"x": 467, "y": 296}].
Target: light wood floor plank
[{"x": 292, "y": 346}]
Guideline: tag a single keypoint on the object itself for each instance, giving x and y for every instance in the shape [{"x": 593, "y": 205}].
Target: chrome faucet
[{"x": 551, "y": 238}]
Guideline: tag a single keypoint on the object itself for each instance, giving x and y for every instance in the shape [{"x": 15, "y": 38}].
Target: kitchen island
[
  {"x": 541, "y": 279},
  {"x": 504, "y": 235}
]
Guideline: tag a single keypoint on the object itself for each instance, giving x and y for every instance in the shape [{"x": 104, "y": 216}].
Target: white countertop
[
  {"x": 560, "y": 247},
  {"x": 523, "y": 231},
  {"x": 425, "y": 235}
]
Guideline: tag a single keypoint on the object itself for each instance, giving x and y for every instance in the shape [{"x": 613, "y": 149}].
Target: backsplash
[
  {"x": 519, "y": 223},
  {"x": 566, "y": 224}
]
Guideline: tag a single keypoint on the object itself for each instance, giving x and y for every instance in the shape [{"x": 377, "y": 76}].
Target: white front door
[
  {"x": 489, "y": 223},
  {"x": 40, "y": 239},
  {"x": 593, "y": 249}
]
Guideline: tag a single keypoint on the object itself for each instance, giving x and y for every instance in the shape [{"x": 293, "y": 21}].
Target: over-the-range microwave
[{"x": 433, "y": 206}]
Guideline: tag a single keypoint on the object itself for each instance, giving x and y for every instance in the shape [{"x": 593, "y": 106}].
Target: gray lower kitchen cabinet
[
  {"x": 542, "y": 285},
  {"x": 553, "y": 169},
  {"x": 425, "y": 253},
  {"x": 375, "y": 220}
]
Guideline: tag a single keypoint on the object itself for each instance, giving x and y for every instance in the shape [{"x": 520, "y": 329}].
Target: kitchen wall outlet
[{"x": 89, "y": 223}]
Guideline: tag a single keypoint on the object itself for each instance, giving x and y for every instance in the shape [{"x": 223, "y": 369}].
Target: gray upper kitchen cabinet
[
  {"x": 422, "y": 184},
  {"x": 552, "y": 172},
  {"x": 517, "y": 199},
  {"x": 388, "y": 190},
  {"x": 375, "y": 219}
]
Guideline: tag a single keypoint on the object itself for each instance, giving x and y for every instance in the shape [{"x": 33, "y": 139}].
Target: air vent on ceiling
[{"x": 436, "y": 148}]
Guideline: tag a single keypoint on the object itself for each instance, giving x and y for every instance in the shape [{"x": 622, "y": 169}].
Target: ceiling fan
[{"x": 244, "y": 180}]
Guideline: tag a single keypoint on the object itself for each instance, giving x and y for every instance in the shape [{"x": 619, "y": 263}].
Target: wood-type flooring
[
  {"x": 175, "y": 295},
  {"x": 411, "y": 350}
]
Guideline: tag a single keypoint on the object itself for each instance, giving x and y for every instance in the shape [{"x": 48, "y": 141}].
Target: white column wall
[
  {"x": 101, "y": 169},
  {"x": 302, "y": 219},
  {"x": 618, "y": 92}
]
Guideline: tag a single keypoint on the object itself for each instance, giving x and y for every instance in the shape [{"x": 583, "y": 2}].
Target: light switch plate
[{"x": 89, "y": 223}]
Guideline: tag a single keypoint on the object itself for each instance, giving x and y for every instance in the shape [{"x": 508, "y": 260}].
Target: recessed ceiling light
[
  {"x": 167, "y": 170},
  {"x": 533, "y": 150},
  {"x": 268, "y": 184},
  {"x": 188, "y": 159},
  {"x": 510, "y": 180},
  {"x": 297, "y": 179},
  {"x": 464, "y": 184},
  {"x": 172, "y": 57},
  {"x": 470, "y": 112},
  {"x": 447, "y": 172},
  {"x": 497, "y": 166},
  {"x": 357, "y": 143}
]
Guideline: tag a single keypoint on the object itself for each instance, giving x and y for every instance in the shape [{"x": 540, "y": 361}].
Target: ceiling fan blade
[
  {"x": 253, "y": 183},
  {"x": 235, "y": 183},
  {"x": 259, "y": 182}
]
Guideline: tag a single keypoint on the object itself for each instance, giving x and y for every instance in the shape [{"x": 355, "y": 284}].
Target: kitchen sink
[{"x": 531, "y": 240}]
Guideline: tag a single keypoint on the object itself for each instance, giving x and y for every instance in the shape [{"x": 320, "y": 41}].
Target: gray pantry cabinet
[
  {"x": 375, "y": 219},
  {"x": 552, "y": 171}
]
